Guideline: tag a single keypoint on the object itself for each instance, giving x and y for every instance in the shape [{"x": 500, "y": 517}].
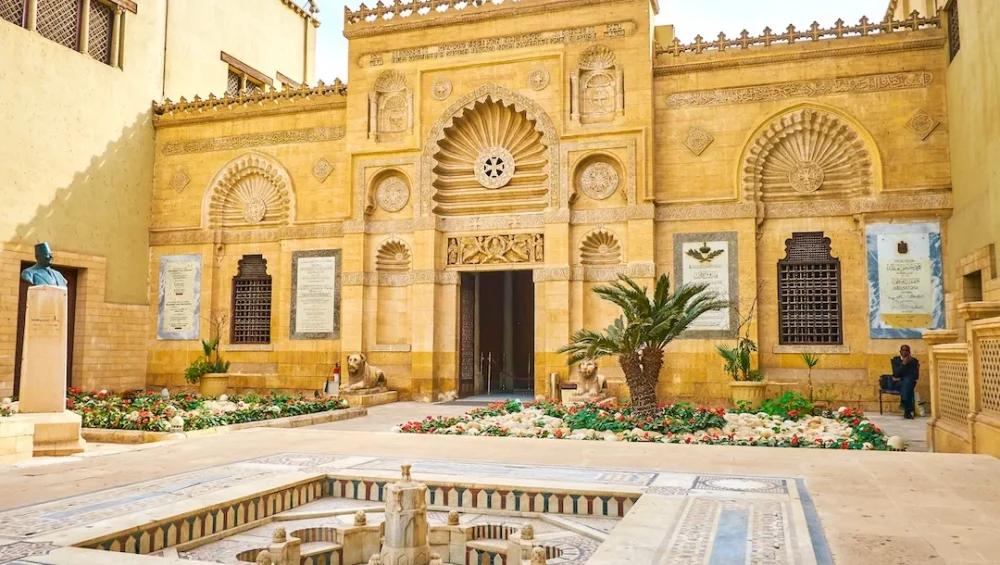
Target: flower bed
[
  {"x": 151, "y": 412},
  {"x": 676, "y": 423}
]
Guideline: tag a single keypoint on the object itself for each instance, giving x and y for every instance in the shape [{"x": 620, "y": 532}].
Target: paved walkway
[
  {"x": 914, "y": 431},
  {"x": 383, "y": 418}
]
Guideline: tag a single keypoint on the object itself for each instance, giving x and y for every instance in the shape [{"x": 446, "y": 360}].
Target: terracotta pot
[
  {"x": 748, "y": 391},
  {"x": 213, "y": 385}
]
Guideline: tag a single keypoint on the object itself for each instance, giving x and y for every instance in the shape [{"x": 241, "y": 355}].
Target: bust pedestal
[{"x": 43, "y": 373}]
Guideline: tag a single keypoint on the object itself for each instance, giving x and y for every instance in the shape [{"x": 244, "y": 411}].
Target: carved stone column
[
  {"x": 84, "y": 25},
  {"x": 116, "y": 38}
]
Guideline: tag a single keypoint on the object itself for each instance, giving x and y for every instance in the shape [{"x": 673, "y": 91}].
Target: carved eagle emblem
[{"x": 704, "y": 254}]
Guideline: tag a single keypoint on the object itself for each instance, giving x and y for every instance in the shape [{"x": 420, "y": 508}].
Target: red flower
[
  {"x": 793, "y": 414},
  {"x": 559, "y": 433}
]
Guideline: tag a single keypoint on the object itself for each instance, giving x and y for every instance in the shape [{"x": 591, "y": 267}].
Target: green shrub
[{"x": 790, "y": 405}]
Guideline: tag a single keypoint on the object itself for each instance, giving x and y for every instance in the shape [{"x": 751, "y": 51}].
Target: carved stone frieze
[
  {"x": 489, "y": 99},
  {"x": 252, "y": 189},
  {"x": 799, "y": 209},
  {"x": 322, "y": 169},
  {"x": 396, "y": 348},
  {"x": 607, "y": 273},
  {"x": 179, "y": 180},
  {"x": 538, "y": 79},
  {"x": 787, "y": 90},
  {"x": 551, "y": 274},
  {"x": 556, "y": 216},
  {"x": 726, "y": 211},
  {"x": 228, "y": 236},
  {"x": 611, "y": 215},
  {"x": 698, "y": 140},
  {"x": 496, "y": 249},
  {"x": 248, "y": 141},
  {"x": 921, "y": 124},
  {"x": 400, "y": 279},
  {"x": 441, "y": 89}
]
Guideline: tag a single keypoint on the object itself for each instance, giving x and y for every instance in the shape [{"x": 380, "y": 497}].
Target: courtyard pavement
[{"x": 873, "y": 508}]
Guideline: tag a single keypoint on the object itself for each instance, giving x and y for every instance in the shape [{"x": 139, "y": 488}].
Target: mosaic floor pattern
[{"x": 717, "y": 519}]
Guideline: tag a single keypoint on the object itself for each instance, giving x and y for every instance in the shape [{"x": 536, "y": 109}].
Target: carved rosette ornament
[
  {"x": 392, "y": 194},
  {"x": 698, "y": 141},
  {"x": 807, "y": 151},
  {"x": 322, "y": 169},
  {"x": 393, "y": 255},
  {"x": 538, "y": 79},
  {"x": 179, "y": 180},
  {"x": 600, "y": 247},
  {"x": 441, "y": 89},
  {"x": 599, "y": 180},
  {"x": 494, "y": 167},
  {"x": 921, "y": 124}
]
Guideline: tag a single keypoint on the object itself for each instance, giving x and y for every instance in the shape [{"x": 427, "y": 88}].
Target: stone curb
[{"x": 100, "y": 435}]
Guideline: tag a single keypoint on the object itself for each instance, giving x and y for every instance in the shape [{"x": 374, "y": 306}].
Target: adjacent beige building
[{"x": 76, "y": 82}]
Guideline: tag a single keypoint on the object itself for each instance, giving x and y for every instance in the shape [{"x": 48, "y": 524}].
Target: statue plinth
[
  {"x": 43, "y": 373},
  {"x": 406, "y": 528}
]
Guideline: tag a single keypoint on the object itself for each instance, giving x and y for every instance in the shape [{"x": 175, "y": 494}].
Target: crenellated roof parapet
[
  {"x": 403, "y": 15},
  {"x": 768, "y": 38},
  {"x": 307, "y": 12},
  {"x": 291, "y": 99}
]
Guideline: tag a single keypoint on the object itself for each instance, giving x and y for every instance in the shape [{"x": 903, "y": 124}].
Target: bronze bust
[{"x": 42, "y": 273}]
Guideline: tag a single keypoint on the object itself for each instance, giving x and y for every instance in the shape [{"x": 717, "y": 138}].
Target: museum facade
[{"x": 449, "y": 213}]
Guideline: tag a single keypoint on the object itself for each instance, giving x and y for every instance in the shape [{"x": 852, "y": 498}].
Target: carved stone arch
[
  {"x": 390, "y": 189},
  {"x": 601, "y": 247},
  {"x": 393, "y": 255},
  {"x": 598, "y": 175},
  {"x": 809, "y": 151},
  {"x": 390, "y": 107},
  {"x": 252, "y": 190},
  {"x": 424, "y": 206}
]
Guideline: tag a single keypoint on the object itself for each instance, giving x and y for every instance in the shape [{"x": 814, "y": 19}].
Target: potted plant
[
  {"x": 747, "y": 387},
  {"x": 209, "y": 370}
]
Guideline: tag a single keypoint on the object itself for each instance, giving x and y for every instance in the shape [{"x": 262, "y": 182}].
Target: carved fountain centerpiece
[{"x": 406, "y": 539}]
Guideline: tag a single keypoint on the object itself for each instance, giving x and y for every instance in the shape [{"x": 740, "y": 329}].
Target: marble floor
[{"x": 699, "y": 504}]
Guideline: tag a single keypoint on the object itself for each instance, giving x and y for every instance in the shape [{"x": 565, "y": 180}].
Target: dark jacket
[{"x": 909, "y": 370}]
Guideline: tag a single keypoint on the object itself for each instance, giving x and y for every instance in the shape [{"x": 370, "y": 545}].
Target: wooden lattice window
[
  {"x": 59, "y": 20},
  {"x": 12, "y": 11},
  {"x": 809, "y": 303},
  {"x": 99, "y": 31},
  {"x": 954, "y": 39},
  {"x": 233, "y": 82},
  {"x": 251, "y": 302}
]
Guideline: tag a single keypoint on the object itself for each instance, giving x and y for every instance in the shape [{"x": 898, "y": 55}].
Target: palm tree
[{"x": 640, "y": 334}]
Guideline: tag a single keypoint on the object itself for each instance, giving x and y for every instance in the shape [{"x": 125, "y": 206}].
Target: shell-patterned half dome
[
  {"x": 253, "y": 192},
  {"x": 808, "y": 151},
  {"x": 393, "y": 255},
  {"x": 600, "y": 248},
  {"x": 491, "y": 160}
]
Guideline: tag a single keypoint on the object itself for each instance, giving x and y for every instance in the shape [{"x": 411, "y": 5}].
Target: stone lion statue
[
  {"x": 360, "y": 518},
  {"x": 591, "y": 386},
  {"x": 361, "y": 375}
]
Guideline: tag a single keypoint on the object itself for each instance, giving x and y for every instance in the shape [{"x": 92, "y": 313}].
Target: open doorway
[{"x": 497, "y": 334}]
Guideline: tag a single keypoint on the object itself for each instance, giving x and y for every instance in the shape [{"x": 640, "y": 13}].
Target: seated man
[{"x": 905, "y": 372}]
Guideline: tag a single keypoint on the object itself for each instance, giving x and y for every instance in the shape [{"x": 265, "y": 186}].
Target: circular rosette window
[{"x": 494, "y": 167}]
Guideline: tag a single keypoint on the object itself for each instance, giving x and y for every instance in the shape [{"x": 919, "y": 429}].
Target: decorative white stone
[
  {"x": 896, "y": 443},
  {"x": 177, "y": 424},
  {"x": 224, "y": 398},
  {"x": 494, "y": 168},
  {"x": 165, "y": 394}
]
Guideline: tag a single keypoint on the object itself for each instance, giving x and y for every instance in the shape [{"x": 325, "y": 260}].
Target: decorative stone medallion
[
  {"x": 494, "y": 167},
  {"x": 698, "y": 141},
  {"x": 441, "y": 89},
  {"x": 806, "y": 177},
  {"x": 921, "y": 124},
  {"x": 392, "y": 194},
  {"x": 322, "y": 169},
  {"x": 599, "y": 180},
  {"x": 254, "y": 209},
  {"x": 179, "y": 180},
  {"x": 538, "y": 79}
]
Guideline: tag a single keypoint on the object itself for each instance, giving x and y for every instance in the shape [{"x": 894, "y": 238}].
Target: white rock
[{"x": 896, "y": 443}]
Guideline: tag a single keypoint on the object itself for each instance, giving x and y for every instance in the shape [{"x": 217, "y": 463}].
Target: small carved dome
[
  {"x": 393, "y": 255},
  {"x": 251, "y": 191},
  {"x": 390, "y": 81},
  {"x": 807, "y": 151},
  {"x": 597, "y": 57},
  {"x": 491, "y": 159},
  {"x": 600, "y": 247}
]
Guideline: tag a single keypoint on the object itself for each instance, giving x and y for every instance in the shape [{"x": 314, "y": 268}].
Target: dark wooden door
[
  {"x": 467, "y": 336},
  {"x": 524, "y": 331},
  {"x": 491, "y": 328},
  {"x": 72, "y": 277}
]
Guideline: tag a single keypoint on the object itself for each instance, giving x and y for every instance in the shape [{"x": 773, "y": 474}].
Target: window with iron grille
[
  {"x": 12, "y": 11},
  {"x": 102, "y": 22},
  {"x": 59, "y": 20},
  {"x": 809, "y": 302},
  {"x": 251, "y": 302},
  {"x": 954, "y": 39}
]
